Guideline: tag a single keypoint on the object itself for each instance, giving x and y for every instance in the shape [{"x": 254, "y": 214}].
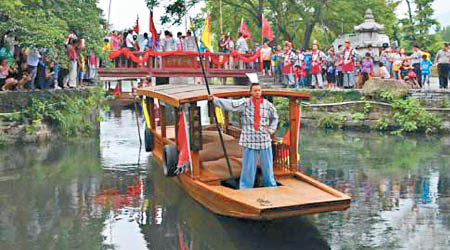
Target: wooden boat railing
[{"x": 281, "y": 157}]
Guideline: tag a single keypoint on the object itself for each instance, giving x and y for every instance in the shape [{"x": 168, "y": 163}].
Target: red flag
[
  {"x": 266, "y": 29},
  {"x": 136, "y": 27},
  {"x": 184, "y": 157},
  {"x": 116, "y": 91},
  {"x": 153, "y": 31},
  {"x": 244, "y": 30}
]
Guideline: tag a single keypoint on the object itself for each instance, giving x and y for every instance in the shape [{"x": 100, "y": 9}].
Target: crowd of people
[
  {"x": 340, "y": 67},
  {"x": 31, "y": 68},
  {"x": 348, "y": 68}
]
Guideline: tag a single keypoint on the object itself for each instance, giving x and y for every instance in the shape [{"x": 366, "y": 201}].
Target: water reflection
[
  {"x": 103, "y": 193},
  {"x": 400, "y": 189}
]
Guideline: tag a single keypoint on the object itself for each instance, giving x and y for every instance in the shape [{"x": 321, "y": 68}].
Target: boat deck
[
  {"x": 293, "y": 192},
  {"x": 296, "y": 195}
]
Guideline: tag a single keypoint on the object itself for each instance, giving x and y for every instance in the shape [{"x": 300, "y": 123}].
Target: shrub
[
  {"x": 382, "y": 124},
  {"x": 412, "y": 117},
  {"x": 358, "y": 116},
  {"x": 332, "y": 121}
]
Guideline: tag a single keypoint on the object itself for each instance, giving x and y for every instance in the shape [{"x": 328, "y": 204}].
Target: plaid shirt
[{"x": 250, "y": 138}]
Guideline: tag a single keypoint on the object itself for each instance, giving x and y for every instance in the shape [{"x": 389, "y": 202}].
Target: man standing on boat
[{"x": 259, "y": 122}]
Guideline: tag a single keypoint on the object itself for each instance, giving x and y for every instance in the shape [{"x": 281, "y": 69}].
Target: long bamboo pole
[{"x": 109, "y": 12}]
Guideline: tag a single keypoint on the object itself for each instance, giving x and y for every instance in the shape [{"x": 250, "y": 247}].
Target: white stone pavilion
[{"x": 367, "y": 33}]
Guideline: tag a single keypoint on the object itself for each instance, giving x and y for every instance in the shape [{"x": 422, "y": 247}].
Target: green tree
[
  {"x": 301, "y": 21},
  {"x": 416, "y": 27},
  {"x": 425, "y": 22},
  {"x": 45, "y": 23}
]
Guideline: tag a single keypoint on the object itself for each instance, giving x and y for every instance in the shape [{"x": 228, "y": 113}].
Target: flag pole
[
  {"x": 109, "y": 12},
  {"x": 262, "y": 35},
  {"x": 221, "y": 27}
]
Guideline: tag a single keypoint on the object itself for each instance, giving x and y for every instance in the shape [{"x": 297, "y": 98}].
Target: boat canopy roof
[{"x": 176, "y": 95}]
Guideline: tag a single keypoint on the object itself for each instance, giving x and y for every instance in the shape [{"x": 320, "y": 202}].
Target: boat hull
[{"x": 297, "y": 195}]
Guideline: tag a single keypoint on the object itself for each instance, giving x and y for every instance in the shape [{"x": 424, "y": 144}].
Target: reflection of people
[{"x": 259, "y": 122}]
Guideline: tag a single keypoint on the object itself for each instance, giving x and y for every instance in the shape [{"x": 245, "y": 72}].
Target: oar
[{"x": 231, "y": 181}]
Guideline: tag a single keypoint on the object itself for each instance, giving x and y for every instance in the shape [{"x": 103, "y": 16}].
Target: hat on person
[
  {"x": 347, "y": 40},
  {"x": 253, "y": 77}
]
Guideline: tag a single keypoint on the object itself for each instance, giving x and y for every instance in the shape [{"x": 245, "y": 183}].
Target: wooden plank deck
[{"x": 293, "y": 192}]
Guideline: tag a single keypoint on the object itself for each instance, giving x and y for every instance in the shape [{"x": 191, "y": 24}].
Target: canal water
[{"x": 104, "y": 193}]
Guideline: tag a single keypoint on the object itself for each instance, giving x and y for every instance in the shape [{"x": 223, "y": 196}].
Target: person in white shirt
[
  {"x": 266, "y": 53},
  {"x": 189, "y": 42},
  {"x": 129, "y": 40},
  {"x": 180, "y": 43},
  {"x": 442, "y": 59},
  {"x": 168, "y": 43},
  {"x": 415, "y": 62},
  {"x": 242, "y": 48}
]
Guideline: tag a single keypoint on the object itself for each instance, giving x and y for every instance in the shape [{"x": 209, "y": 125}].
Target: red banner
[{"x": 217, "y": 59}]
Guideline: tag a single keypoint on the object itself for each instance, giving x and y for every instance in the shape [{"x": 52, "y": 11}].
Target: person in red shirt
[
  {"x": 348, "y": 65},
  {"x": 316, "y": 66},
  {"x": 73, "y": 60}
]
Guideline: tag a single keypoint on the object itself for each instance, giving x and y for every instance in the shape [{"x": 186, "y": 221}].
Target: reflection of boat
[{"x": 296, "y": 194}]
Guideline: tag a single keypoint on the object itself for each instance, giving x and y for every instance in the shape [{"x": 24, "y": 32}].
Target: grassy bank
[{"x": 66, "y": 115}]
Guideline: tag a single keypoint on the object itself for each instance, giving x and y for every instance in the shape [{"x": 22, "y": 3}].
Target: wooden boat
[{"x": 296, "y": 193}]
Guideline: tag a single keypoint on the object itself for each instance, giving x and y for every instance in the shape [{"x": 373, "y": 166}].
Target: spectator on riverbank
[
  {"x": 367, "y": 68},
  {"x": 442, "y": 60},
  {"x": 145, "y": 43},
  {"x": 383, "y": 72},
  {"x": 190, "y": 42},
  {"x": 425, "y": 66},
  {"x": 242, "y": 48},
  {"x": 415, "y": 63},
  {"x": 266, "y": 53},
  {"x": 73, "y": 61},
  {"x": 5, "y": 52},
  {"x": 407, "y": 74},
  {"x": 168, "y": 43},
  {"x": 115, "y": 40},
  {"x": 6, "y": 82},
  {"x": 33, "y": 58},
  {"x": 288, "y": 65},
  {"x": 331, "y": 62}
]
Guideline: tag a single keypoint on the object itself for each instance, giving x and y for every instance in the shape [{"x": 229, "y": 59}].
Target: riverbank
[{"x": 46, "y": 115}]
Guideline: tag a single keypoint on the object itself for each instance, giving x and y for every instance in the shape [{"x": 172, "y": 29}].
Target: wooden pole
[
  {"x": 162, "y": 120},
  {"x": 293, "y": 133},
  {"x": 221, "y": 27},
  {"x": 150, "y": 102},
  {"x": 109, "y": 12}
]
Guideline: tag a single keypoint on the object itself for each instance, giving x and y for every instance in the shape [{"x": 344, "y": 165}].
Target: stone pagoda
[{"x": 367, "y": 33}]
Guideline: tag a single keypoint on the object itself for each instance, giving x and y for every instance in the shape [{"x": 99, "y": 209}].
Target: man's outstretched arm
[{"x": 229, "y": 105}]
